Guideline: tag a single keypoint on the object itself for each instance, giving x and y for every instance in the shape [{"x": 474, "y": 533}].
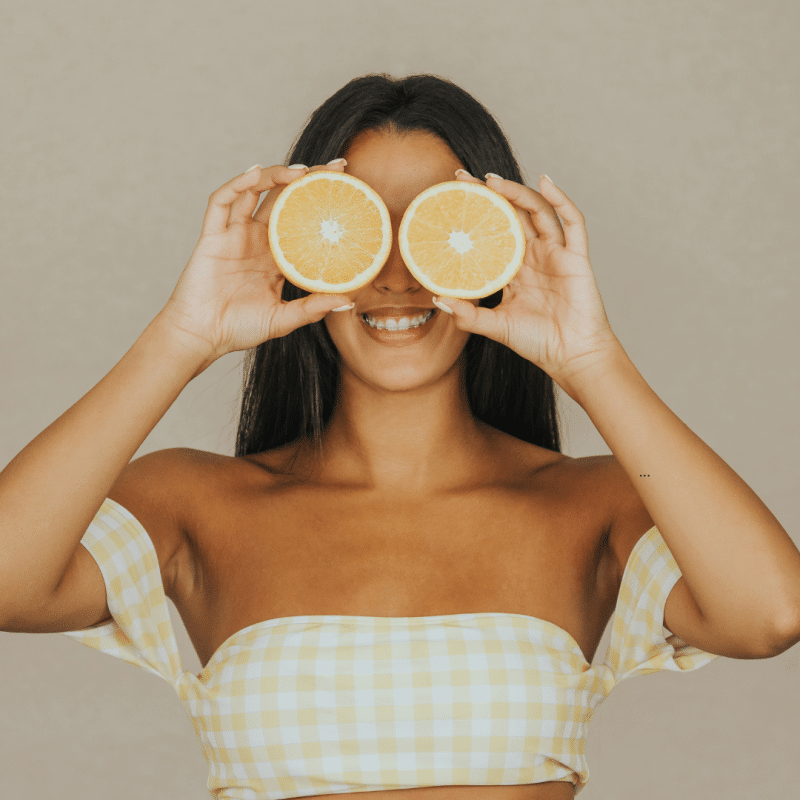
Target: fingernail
[
  {"x": 439, "y": 304},
  {"x": 343, "y": 308},
  {"x": 492, "y": 175},
  {"x": 548, "y": 178},
  {"x": 297, "y": 166},
  {"x": 464, "y": 171},
  {"x": 337, "y": 161},
  {"x": 255, "y": 166}
]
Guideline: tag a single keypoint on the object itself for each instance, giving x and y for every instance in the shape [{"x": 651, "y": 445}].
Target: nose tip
[{"x": 395, "y": 275}]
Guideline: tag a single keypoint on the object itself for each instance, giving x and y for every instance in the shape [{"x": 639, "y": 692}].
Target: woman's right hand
[{"x": 229, "y": 295}]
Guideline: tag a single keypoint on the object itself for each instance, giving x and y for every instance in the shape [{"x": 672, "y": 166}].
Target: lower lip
[{"x": 400, "y": 338}]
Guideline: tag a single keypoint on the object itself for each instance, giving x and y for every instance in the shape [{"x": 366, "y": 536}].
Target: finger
[
  {"x": 577, "y": 239},
  {"x": 243, "y": 207},
  {"x": 296, "y": 313},
  {"x": 337, "y": 165},
  {"x": 469, "y": 317},
  {"x": 463, "y": 175},
  {"x": 255, "y": 180},
  {"x": 245, "y": 204},
  {"x": 542, "y": 214}
]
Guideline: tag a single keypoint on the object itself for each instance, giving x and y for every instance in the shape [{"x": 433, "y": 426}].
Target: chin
[{"x": 399, "y": 378}]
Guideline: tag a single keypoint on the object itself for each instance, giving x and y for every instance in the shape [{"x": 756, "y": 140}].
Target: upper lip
[{"x": 391, "y": 311}]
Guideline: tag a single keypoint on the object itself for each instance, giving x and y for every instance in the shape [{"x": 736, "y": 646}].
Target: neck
[{"x": 413, "y": 441}]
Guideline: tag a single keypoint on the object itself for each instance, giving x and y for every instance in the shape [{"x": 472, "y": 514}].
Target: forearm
[
  {"x": 52, "y": 489},
  {"x": 740, "y": 565}
]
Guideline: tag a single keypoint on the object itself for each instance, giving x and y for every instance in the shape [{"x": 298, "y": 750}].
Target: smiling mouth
[{"x": 399, "y": 323}]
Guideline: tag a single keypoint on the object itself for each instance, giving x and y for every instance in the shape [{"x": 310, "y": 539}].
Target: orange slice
[
  {"x": 461, "y": 239},
  {"x": 329, "y": 232}
]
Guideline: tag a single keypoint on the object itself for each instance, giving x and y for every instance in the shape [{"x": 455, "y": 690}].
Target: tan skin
[{"x": 434, "y": 513}]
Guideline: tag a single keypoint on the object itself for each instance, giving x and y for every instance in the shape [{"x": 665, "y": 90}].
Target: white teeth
[{"x": 402, "y": 324}]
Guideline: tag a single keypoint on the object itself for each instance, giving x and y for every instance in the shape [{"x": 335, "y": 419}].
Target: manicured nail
[
  {"x": 548, "y": 178},
  {"x": 297, "y": 166},
  {"x": 492, "y": 175},
  {"x": 343, "y": 308},
  {"x": 439, "y": 304},
  {"x": 337, "y": 161},
  {"x": 464, "y": 171},
  {"x": 255, "y": 166}
]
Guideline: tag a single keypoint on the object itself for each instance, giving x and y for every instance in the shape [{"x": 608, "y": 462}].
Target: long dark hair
[{"x": 291, "y": 383}]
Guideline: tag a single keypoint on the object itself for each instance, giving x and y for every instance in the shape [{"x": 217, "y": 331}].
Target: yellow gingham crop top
[{"x": 300, "y": 706}]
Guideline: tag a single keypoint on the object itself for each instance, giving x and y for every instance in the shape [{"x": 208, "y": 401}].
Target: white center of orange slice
[
  {"x": 460, "y": 241},
  {"x": 331, "y": 230}
]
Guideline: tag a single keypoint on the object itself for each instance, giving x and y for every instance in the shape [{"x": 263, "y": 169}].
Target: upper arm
[
  {"x": 156, "y": 490},
  {"x": 153, "y": 489},
  {"x": 630, "y": 521}
]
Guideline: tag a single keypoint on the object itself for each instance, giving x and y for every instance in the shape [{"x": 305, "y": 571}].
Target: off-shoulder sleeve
[
  {"x": 141, "y": 630},
  {"x": 639, "y": 641}
]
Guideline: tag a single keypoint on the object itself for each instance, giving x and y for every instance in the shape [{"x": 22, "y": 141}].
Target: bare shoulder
[
  {"x": 160, "y": 490},
  {"x": 598, "y": 486},
  {"x": 628, "y": 518},
  {"x": 157, "y": 489},
  {"x": 183, "y": 498},
  {"x": 598, "y": 480},
  {"x": 585, "y": 494}
]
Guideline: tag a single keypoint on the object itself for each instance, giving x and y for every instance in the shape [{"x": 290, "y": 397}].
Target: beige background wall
[{"x": 674, "y": 127}]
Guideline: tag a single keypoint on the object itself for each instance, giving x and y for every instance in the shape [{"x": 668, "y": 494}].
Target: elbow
[{"x": 786, "y": 632}]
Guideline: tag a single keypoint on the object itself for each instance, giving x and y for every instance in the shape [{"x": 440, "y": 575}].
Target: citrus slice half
[
  {"x": 329, "y": 232},
  {"x": 461, "y": 239}
]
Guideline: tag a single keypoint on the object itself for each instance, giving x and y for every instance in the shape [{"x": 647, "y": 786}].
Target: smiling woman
[
  {"x": 504, "y": 390},
  {"x": 375, "y": 355},
  {"x": 398, "y": 584}
]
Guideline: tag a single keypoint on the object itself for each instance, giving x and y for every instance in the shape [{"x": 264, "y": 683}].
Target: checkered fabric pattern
[{"x": 300, "y": 706}]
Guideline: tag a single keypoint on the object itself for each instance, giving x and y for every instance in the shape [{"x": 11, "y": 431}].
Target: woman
[{"x": 399, "y": 582}]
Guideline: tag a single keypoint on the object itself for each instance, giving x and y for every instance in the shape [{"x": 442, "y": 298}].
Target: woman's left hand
[{"x": 551, "y": 312}]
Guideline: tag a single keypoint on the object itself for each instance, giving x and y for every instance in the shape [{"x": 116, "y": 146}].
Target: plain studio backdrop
[{"x": 674, "y": 128}]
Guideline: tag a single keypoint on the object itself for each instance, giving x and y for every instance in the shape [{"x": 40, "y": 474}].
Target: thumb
[
  {"x": 304, "y": 310},
  {"x": 470, "y": 318},
  {"x": 316, "y": 306}
]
